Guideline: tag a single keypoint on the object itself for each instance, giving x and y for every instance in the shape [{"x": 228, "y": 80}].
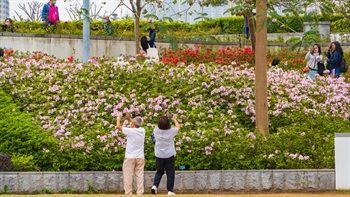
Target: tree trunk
[
  {"x": 251, "y": 25},
  {"x": 136, "y": 9},
  {"x": 137, "y": 34},
  {"x": 261, "y": 109}
]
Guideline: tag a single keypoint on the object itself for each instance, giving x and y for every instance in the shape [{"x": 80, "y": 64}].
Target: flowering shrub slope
[{"x": 77, "y": 103}]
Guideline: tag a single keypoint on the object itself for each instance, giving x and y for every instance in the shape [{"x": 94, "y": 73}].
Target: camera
[{"x": 169, "y": 116}]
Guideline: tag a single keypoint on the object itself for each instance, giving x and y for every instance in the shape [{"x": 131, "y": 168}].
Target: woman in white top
[
  {"x": 313, "y": 57},
  {"x": 165, "y": 152}
]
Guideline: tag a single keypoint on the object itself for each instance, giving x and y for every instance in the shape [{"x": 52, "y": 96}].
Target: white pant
[{"x": 131, "y": 167}]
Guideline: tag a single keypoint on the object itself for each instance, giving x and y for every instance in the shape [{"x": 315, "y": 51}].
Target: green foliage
[
  {"x": 91, "y": 189},
  {"x": 6, "y": 190},
  {"x": 24, "y": 163},
  {"x": 340, "y": 23},
  {"x": 308, "y": 39},
  {"x": 183, "y": 30},
  {"x": 45, "y": 191},
  {"x": 26, "y": 140},
  {"x": 67, "y": 191}
]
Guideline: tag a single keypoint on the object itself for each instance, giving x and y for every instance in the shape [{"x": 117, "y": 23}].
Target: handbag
[
  {"x": 305, "y": 69},
  {"x": 153, "y": 53},
  {"x": 320, "y": 68}
]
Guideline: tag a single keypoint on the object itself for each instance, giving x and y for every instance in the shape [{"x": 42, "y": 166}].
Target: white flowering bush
[{"x": 76, "y": 104}]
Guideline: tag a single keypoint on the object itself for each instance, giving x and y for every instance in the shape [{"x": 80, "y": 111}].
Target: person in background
[
  {"x": 45, "y": 13},
  {"x": 152, "y": 37},
  {"x": 274, "y": 66},
  {"x": 107, "y": 25},
  {"x": 334, "y": 56},
  {"x": 275, "y": 62},
  {"x": 8, "y": 26},
  {"x": 144, "y": 43},
  {"x": 313, "y": 57},
  {"x": 134, "y": 161},
  {"x": 246, "y": 26},
  {"x": 165, "y": 152}
]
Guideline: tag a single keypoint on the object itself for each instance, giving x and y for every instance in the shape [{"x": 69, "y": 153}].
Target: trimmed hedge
[{"x": 180, "y": 30}]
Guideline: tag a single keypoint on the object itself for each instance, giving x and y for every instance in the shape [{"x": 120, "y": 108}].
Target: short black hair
[
  {"x": 275, "y": 62},
  {"x": 164, "y": 123},
  {"x": 8, "y": 19},
  {"x": 1, "y": 52}
]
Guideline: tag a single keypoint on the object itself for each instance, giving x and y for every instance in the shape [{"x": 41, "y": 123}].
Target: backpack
[
  {"x": 52, "y": 15},
  {"x": 144, "y": 43},
  {"x": 343, "y": 66}
]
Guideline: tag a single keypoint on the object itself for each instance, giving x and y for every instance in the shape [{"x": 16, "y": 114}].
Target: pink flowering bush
[{"x": 76, "y": 104}]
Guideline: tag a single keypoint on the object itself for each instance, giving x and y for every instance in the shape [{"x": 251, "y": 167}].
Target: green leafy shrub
[
  {"x": 21, "y": 137},
  {"x": 25, "y": 163},
  {"x": 179, "y": 30}
]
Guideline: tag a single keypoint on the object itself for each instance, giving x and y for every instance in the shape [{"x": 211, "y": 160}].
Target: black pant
[{"x": 168, "y": 165}]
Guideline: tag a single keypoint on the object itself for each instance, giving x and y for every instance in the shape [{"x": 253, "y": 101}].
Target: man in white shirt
[{"x": 134, "y": 161}]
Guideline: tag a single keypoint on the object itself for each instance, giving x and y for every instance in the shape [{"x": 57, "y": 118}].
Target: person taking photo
[
  {"x": 165, "y": 152},
  {"x": 134, "y": 161}
]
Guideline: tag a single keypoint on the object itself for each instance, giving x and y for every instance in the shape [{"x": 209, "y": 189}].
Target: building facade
[{"x": 4, "y": 9}]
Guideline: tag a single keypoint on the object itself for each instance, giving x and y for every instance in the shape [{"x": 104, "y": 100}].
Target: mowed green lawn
[{"x": 326, "y": 194}]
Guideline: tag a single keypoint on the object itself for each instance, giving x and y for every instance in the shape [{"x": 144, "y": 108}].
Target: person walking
[
  {"x": 313, "y": 57},
  {"x": 165, "y": 152},
  {"x": 49, "y": 14},
  {"x": 134, "y": 161},
  {"x": 334, "y": 56},
  {"x": 107, "y": 25}
]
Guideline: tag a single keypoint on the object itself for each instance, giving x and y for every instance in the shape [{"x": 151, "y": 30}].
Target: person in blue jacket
[
  {"x": 334, "y": 56},
  {"x": 45, "y": 12},
  {"x": 152, "y": 37}
]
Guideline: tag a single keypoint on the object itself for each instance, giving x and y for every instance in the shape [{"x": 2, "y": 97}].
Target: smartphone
[{"x": 169, "y": 116}]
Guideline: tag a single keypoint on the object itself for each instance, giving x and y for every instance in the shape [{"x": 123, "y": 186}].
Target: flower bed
[{"x": 76, "y": 104}]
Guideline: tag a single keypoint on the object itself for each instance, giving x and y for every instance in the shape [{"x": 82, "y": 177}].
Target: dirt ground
[{"x": 326, "y": 194}]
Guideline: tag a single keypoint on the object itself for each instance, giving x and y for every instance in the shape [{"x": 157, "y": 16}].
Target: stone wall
[
  {"x": 237, "y": 181},
  {"x": 63, "y": 46}
]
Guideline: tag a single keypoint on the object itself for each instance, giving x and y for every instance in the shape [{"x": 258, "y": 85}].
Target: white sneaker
[
  {"x": 154, "y": 189},
  {"x": 171, "y": 193}
]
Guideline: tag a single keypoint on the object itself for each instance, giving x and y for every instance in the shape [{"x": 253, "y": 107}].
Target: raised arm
[
  {"x": 127, "y": 116},
  {"x": 119, "y": 126},
  {"x": 177, "y": 125}
]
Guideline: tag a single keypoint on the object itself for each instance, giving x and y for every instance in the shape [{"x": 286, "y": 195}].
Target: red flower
[{"x": 70, "y": 59}]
